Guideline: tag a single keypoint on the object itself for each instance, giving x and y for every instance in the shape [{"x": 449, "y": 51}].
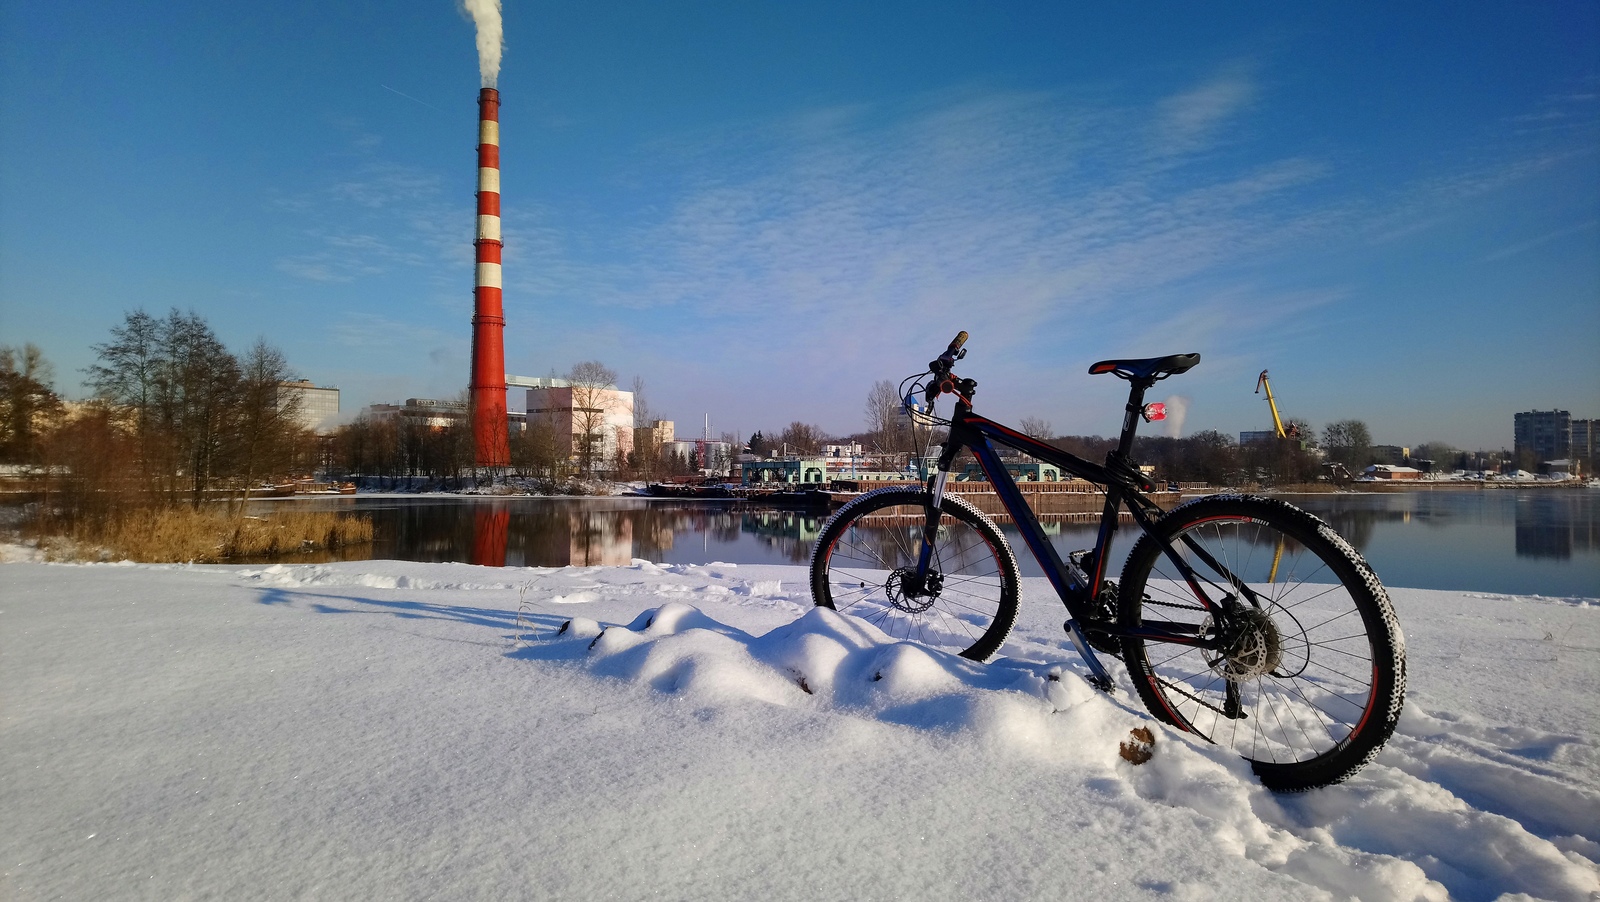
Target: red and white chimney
[{"x": 488, "y": 387}]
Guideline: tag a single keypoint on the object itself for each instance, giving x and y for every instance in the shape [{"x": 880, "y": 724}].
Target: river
[{"x": 1526, "y": 542}]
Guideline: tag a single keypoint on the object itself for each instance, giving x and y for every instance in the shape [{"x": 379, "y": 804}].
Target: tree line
[
  {"x": 552, "y": 447},
  {"x": 175, "y": 416}
]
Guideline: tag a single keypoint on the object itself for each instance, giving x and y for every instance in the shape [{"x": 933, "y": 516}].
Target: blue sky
[{"x": 761, "y": 208}]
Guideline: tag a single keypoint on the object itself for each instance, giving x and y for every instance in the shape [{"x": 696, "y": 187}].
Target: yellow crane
[
  {"x": 1277, "y": 422},
  {"x": 1292, "y": 431}
]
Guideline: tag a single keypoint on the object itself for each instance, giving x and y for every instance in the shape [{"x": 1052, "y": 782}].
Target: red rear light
[{"x": 1153, "y": 412}]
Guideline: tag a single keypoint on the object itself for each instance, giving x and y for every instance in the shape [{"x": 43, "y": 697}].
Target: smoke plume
[
  {"x": 1177, "y": 409},
  {"x": 491, "y": 37}
]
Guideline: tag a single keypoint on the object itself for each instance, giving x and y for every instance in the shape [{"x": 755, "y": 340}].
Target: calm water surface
[{"x": 1529, "y": 542}]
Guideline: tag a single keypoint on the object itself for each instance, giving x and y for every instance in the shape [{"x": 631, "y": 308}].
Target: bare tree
[
  {"x": 645, "y": 457},
  {"x": 641, "y": 408},
  {"x": 268, "y": 414},
  {"x": 200, "y": 397},
  {"x": 1348, "y": 442},
  {"x": 594, "y": 400},
  {"x": 537, "y": 450},
  {"x": 128, "y": 378},
  {"x": 803, "y": 438},
  {"x": 886, "y": 427},
  {"x": 1037, "y": 427},
  {"x": 29, "y": 407}
]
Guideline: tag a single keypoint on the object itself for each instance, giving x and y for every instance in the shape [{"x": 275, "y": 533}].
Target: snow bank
[{"x": 412, "y": 730}]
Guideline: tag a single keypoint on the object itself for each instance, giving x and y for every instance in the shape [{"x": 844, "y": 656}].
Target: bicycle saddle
[{"x": 1148, "y": 367}]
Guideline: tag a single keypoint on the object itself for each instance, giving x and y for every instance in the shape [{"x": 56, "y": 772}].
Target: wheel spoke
[
  {"x": 1302, "y": 676},
  {"x": 968, "y": 603}
]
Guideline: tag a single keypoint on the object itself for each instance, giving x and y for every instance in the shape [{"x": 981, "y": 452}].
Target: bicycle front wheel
[
  {"x": 865, "y": 563},
  {"x": 1308, "y": 683}
]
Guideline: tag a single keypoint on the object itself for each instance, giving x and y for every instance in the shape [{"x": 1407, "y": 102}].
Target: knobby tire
[
  {"x": 1333, "y": 692},
  {"x": 865, "y": 550}
]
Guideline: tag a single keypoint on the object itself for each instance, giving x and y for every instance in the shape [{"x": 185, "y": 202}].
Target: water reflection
[
  {"x": 1547, "y": 523},
  {"x": 1538, "y": 541},
  {"x": 490, "y": 528},
  {"x": 569, "y": 532},
  {"x": 1548, "y": 528},
  {"x": 1533, "y": 541}
]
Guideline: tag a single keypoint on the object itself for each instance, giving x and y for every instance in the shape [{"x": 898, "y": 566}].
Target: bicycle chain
[{"x": 1170, "y": 604}]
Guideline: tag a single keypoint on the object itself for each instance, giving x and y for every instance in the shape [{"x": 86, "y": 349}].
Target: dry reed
[{"x": 177, "y": 535}]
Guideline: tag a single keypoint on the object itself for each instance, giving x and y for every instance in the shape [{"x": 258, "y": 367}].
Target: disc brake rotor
[
  {"x": 1254, "y": 647},
  {"x": 904, "y": 595}
]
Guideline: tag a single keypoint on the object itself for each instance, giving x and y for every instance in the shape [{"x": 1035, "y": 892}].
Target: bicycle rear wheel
[
  {"x": 865, "y": 561},
  {"x": 1310, "y": 683}
]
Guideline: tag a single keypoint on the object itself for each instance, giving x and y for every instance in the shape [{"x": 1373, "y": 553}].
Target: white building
[
  {"x": 319, "y": 405},
  {"x": 600, "y": 416}
]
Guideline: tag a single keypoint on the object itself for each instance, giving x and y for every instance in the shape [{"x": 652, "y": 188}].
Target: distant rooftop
[{"x": 540, "y": 382}]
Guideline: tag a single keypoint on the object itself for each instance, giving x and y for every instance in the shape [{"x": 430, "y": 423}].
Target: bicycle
[{"x": 1241, "y": 619}]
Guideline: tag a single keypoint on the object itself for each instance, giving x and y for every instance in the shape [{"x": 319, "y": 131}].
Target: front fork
[
  {"x": 930, "y": 527},
  {"x": 1099, "y": 676}
]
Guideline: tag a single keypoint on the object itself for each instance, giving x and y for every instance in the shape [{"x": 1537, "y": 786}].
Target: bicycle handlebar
[
  {"x": 951, "y": 354},
  {"x": 940, "y": 368},
  {"x": 955, "y": 345}
]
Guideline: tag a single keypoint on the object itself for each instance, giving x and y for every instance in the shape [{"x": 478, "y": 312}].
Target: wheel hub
[
  {"x": 1251, "y": 648},
  {"x": 908, "y": 593}
]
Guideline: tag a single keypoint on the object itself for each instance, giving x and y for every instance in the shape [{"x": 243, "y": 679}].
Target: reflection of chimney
[
  {"x": 488, "y": 387},
  {"x": 491, "y": 527}
]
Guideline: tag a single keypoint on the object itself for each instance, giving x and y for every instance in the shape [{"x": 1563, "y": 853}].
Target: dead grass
[{"x": 179, "y": 535}]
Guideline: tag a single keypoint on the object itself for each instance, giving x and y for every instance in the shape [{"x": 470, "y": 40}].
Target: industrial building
[
  {"x": 713, "y": 455},
  {"x": 650, "y": 439},
  {"x": 785, "y": 471}
]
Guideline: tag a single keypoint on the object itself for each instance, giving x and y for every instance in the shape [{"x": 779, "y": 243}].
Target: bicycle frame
[{"x": 1123, "y": 488}]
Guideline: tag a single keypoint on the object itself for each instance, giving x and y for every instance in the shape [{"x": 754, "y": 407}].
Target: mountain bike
[{"x": 1241, "y": 619}]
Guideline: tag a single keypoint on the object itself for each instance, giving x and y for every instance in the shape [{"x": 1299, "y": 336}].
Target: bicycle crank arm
[
  {"x": 1164, "y": 631},
  {"x": 1099, "y": 677}
]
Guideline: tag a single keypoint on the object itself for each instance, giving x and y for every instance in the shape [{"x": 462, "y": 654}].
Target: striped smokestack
[{"x": 488, "y": 388}]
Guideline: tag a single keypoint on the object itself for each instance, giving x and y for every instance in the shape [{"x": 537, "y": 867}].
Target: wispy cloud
[
  {"x": 364, "y": 330},
  {"x": 1565, "y": 113},
  {"x": 1431, "y": 201},
  {"x": 1056, "y": 226},
  {"x": 1190, "y": 119},
  {"x": 381, "y": 185},
  {"x": 1528, "y": 245},
  {"x": 1022, "y": 207},
  {"x": 375, "y": 219}
]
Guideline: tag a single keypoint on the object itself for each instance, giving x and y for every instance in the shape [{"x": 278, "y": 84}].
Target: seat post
[{"x": 1130, "y": 417}]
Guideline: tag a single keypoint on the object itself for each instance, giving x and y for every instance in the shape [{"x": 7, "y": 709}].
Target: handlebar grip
[{"x": 955, "y": 345}]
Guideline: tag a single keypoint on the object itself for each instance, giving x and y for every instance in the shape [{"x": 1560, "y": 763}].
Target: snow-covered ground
[{"x": 400, "y": 730}]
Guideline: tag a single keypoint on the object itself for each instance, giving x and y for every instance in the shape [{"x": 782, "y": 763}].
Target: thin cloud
[
  {"x": 386, "y": 184},
  {"x": 1530, "y": 244},
  {"x": 410, "y": 98},
  {"x": 1189, "y": 120},
  {"x": 380, "y": 218},
  {"x": 1431, "y": 202},
  {"x": 934, "y": 209},
  {"x": 363, "y": 330}
]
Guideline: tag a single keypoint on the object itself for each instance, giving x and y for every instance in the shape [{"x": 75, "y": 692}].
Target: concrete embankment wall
[{"x": 1067, "y": 500}]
